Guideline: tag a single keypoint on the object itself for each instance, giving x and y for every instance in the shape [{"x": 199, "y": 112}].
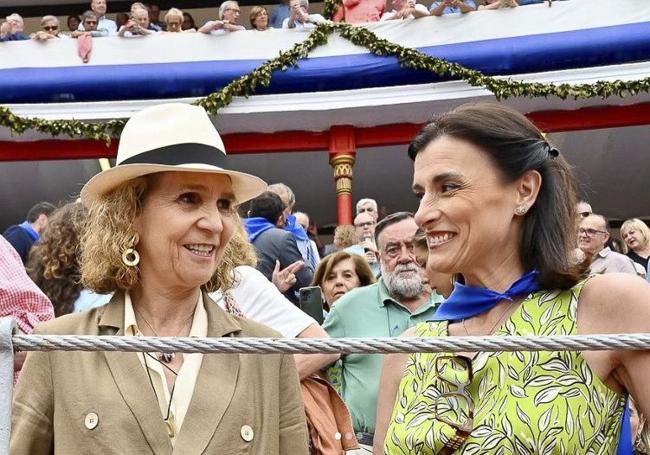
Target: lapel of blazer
[
  {"x": 214, "y": 389},
  {"x": 131, "y": 380}
]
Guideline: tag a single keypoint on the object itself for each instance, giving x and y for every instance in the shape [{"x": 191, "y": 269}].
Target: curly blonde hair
[
  {"x": 110, "y": 231},
  {"x": 54, "y": 261}
]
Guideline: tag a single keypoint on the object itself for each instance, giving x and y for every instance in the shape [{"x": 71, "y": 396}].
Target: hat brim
[{"x": 244, "y": 186}]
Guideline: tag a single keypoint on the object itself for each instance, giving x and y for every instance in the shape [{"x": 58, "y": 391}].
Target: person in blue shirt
[
  {"x": 13, "y": 29},
  {"x": 438, "y": 8},
  {"x": 280, "y": 13},
  {"x": 22, "y": 236}
]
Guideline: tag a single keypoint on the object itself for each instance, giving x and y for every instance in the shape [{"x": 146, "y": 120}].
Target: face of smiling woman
[
  {"x": 466, "y": 208},
  {"x": 186, "y": 221}
]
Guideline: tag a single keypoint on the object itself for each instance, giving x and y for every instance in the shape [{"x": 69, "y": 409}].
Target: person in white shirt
[
  {"x": 99, "y": 7},
  {"x": 256, "y": 298},
  {"x": 300, "y": 17},
  {"x": 405, "y": 9},
  {"x": 228, "y": 20}
]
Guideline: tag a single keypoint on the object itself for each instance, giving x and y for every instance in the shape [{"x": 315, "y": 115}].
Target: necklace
[
  {"x": 496, "y": 323},
  {"x": 168, "y": 422},
  {"x": 166, "y": 357}
]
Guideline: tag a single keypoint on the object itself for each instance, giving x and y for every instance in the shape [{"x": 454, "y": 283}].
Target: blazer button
[
  {"x": 247, "y": 433},
  {"x": 91, "y": 421}
]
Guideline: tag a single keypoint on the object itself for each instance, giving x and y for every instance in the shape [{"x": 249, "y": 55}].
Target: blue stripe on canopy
[{"x": 504, "y": 56}]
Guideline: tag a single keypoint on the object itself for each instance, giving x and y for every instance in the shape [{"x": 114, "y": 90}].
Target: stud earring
[
  {"x": 131, "y": 257},
  {"x": 520, "y": 211}
]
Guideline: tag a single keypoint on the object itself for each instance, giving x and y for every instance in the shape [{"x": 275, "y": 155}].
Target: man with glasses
[
  {"x": 104, "y": 25},
  {"x": 592, "y": 240},
  {"x": 364, "y": 228},
  {"x": 90, "y": 22},
  {"x": 399, "y": 300},
  {"x": 228, "y": 20}
]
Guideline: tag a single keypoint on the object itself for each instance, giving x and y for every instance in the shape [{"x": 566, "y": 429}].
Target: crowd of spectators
[{"x": 144, "y": 19}]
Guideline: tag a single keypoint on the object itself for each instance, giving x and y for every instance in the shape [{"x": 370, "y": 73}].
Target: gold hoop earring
[{"x": 130, "y": 257}]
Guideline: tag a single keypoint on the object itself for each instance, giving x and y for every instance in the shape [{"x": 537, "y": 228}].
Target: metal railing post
[{"x": 7, "y": 327}]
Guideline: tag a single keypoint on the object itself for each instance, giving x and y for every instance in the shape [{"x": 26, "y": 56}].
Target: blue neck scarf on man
[{"x": 256, "y": 226}]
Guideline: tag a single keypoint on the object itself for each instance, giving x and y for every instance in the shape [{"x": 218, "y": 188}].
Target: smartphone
[{"x": 310, "y": 300}]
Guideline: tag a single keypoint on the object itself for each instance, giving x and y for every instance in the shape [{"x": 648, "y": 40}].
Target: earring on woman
[
  {"x": 520, "y": 211},
  {"x": 130, "y": 257}
]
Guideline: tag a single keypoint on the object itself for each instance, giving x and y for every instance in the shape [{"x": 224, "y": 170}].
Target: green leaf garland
[{"x": 246, "y": 86}]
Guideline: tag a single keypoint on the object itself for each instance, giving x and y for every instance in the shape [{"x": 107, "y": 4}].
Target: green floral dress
[{"x": 525, "y": 402}]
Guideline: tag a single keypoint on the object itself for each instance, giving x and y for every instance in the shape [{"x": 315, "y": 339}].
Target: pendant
[
  {"x": 166, "y": 357},
  {"x": 170, "y": 428}
]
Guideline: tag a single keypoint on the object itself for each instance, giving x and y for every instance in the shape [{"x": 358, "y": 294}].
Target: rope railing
[{"x": 231, "y": 345}]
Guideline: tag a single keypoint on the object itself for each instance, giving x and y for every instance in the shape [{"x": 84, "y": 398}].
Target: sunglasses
[
  {"x": 455, "y": 409},
  {"x": 50, "y": 28},
  {"x": 90, "y": 22}
]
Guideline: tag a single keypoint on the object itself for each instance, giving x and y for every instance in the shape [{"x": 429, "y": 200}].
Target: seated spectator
[
  {"x": 339, "y": 273},
  {"x": 228, "y": 20},
  {"x": 137, "y": 26},
  {"x": 259, "y": 18},
  {"x": 280, "y": 13},
  {"x": 592, "y": 240},
  {"x": 499, "y": 4},
  {"x": 154, "y": 17},
  {"x": 73, "y": 22},
  {"x": 636, "y": 235},
  {"x": 121, "y": 19},
  {"x": 174, "y": 21},
  {"x": 405, "y": 9},
  {"x": 54, "y": 262},
  {"x": 13, "y": 29},
  {"x": 441, "y": 7},
  {"x": 90, "y": 23},
  {"x": 300, "y": 17},
  {"x": 50, "y": 26},
  {"x": 188, "y": 22},
  {"x": 360, "y": 11},
  {"x": 141, "y": 6},
  {"x": 105, "y": 25}
]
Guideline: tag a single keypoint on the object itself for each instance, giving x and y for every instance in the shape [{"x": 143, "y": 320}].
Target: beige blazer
[{"x": 103, "y": 403}]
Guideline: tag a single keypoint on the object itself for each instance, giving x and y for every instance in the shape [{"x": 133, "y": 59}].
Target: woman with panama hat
[{"x": 159, "y": 222}]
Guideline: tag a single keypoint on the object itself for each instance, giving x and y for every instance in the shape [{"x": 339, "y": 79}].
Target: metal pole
[{"x": 7, "y": 327}]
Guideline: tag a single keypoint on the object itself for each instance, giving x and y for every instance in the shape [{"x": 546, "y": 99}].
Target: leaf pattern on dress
[{"x": 542, "y": 403}]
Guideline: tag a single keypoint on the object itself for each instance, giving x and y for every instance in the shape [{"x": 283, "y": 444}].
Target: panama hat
[{"x": 170, "y": 137}]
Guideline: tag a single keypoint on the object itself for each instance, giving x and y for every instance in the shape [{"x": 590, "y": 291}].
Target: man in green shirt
[{"x": 399, "y": 300}]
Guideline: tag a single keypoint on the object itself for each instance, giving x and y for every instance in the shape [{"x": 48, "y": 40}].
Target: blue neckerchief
[
  {"x": 255, "y": 226},
  {"x": 467, "y": 301},
  {"x": 625, "y": 439},
  {"x": 30, "y": 230},
  {"x": 297, "y": 230}
]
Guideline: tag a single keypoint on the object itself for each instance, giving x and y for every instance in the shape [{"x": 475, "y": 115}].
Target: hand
[{"x": 285, "y": 279}]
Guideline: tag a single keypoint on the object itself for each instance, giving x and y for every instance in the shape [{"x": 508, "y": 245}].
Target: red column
[{"x": 342, "y": 149}]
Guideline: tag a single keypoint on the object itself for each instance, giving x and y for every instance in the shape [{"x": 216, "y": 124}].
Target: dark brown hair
[
  {"x": 361, "y": 268},
  {"x": 516, "y": 146}
]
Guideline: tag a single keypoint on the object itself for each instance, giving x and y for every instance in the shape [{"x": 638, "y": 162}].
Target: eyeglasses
[
  {"x": 455, "y": 409},
  {"x": 234, "y": 10},
  {"x": 90, "y": 22},
  {"x": 362, "y": 225},
  {"x": 393, "y": 250},
  {"x": 50, "y": 28},
  {"x": 590, "y": 232}
]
